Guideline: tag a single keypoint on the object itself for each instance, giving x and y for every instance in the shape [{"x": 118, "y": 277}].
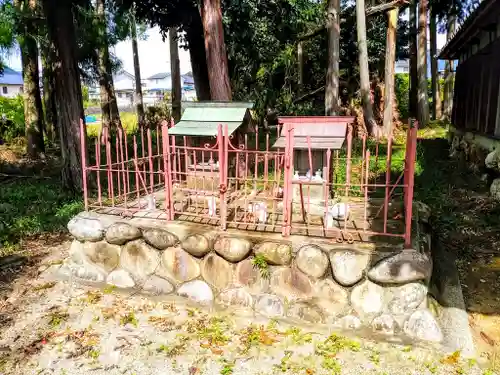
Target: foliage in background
[
  {"x": 12, "y": 118},
  {"x": 401, "y": 90},
  {"x": 6, "y": 37},
  {"x": 157, "y": 113},
  {"x": 262, "y": 52}
]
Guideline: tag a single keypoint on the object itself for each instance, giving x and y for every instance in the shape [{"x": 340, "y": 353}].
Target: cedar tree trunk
[
  {"x": 390, "y": 57},
  {"x": 175, "y": 72},
  {"x": 332, "y": 75},
  {"x": 218, "y": 73}
]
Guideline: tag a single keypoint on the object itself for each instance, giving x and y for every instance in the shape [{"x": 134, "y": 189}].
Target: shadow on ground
[{"x": 466, "y": 229}]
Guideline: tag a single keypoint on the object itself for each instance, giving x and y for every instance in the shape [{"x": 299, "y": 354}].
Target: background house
[
  {"x": 403, "y": 66},
  {"x": 11, "y": 83},
  {"x": 124, "y": 83},
  {"x": 154, "y": 88},
  {"x": 158, "y": 85}
]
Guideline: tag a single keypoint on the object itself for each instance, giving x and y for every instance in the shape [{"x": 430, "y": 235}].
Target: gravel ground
[{"x": 58, "y": 327}]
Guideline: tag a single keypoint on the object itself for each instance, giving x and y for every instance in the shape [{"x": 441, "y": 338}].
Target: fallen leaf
[
  {"x": 487, "y": 339},
  {"x": 216, "y": 351},
  {"x": 452, "y": 358},
  {"x": 204, "y": 345}
]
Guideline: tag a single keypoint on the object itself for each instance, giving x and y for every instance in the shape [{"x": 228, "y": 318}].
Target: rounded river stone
[
  {"x": 275, "y": 253},
  {"x": 178, "y": 265},
  {"x": 291, "y": 283},
  {"x": 233, "y": 249},
  {"x": 197, "y": 245},
  {"x": 348, "y": 266},
  {"x": 139, "y": 259},
  {"x": 120, "y": 279},
  {"x": 402, "y": 268},
  {"x": 159, "y": 238},
  {"x": 198, "y": 291},
  {"x": 422, "y": 325},
  {"x": 251, "y": 277},
  {"x": 86, "y": 228},
  {"x": 216, "y": 271},
  {"x": 367, "y": 299},
  {"x": 312, "y": 261},
  {"x": 121, "y": 233}
]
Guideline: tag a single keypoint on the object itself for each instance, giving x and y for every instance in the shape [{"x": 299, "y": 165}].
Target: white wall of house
[
  {"x": 164, "y": 83},
  {"x": 10, "y": 91},
  {"x": 124, "y": 82},
  {"x": 402, "y": 66}
]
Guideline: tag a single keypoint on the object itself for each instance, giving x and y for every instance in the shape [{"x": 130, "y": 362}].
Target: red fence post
[
  {"x": 222, "y": 140},
  {"x": 410, "y": 179},
  {"x": 167, "y": 171},
  {"x": 288, "y": 175},
  {"x": 84, "y": 163}
]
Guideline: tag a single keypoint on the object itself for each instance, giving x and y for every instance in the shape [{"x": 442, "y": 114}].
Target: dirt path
[
  {"x": 55, "y": 327},
  {"x": 466, "y": 221}
]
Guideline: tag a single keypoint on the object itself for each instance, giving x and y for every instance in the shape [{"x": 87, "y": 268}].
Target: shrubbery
[
  {"x": 11, "y": 118},
  {"x": 157, "y": 113}
]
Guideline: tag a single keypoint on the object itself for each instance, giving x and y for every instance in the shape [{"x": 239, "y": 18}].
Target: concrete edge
[{"x": 453, "y": 319}]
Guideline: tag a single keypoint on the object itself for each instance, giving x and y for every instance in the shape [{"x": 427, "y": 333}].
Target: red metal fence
[{"x": 243, "y": 182}]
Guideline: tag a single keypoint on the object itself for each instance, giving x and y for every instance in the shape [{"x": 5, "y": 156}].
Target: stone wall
[
  {"x": 339, "y": 285},
  {"x": 479, "y": 152}
]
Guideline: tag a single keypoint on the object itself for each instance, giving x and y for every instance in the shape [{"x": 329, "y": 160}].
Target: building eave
[{"x": 484, "y": 15}]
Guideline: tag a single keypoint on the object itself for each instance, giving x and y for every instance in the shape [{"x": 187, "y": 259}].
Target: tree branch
[
  {"x": 369, "y": 12},
  {"x": 387, "y": 6},
  {"x": 314, "y": 92}
]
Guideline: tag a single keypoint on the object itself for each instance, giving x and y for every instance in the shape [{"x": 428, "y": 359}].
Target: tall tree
[
  {"x": 413, "y": 59},
  {"x": 436, "y": 90},
  {"x": 33, "y": 110},
  {"x": 390, "y": 59},
  {"x": 364, "y": 73},
  {"x": 175, "y": 73},
  {"x": 423, "y": 101},
  {"x": 109, "y": 106},
  {"x": 448, "y": 72},
  {"x": 49, "y": 100},
  {"x": 139, "y": 104},
  {"x": 59, "y": 16},
  {"x": 215, "y": 48},
  {"x": 332, "y": 76}
]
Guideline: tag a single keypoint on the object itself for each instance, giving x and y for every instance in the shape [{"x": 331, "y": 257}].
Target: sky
[{"x": 154, "y": 55}]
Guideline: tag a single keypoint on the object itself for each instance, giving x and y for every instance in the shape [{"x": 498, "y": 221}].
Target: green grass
[
  {"x": 259, "y": 262},
  {"x": 33, "y": 207},
  {"x": 129, "y": 123}
]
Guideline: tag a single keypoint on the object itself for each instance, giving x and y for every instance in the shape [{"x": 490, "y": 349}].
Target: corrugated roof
[
  {"x": 203, "y": 118},
  {"x": 159, "y": 76},
  {"x": 214, "y": 114},
  {"x": 11, "y": 77},
  {"x": 188, "y": 79},
  {"x": 202, "y": 128},
  {"x": 485, "y": 15},
  {"x": 324, "y": 132}
]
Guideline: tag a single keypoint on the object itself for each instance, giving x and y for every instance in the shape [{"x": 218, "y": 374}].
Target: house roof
[
  {"x": 159, "y": 76},
  {"x": 484, "y": 17},
  {"x": 203, "y": 118},
  {"x": 11, "y": 77},
  {"x": 318, "y": 132},
  {"x": 124, "y": 72},
  {"x": 188, "y": 79}
]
